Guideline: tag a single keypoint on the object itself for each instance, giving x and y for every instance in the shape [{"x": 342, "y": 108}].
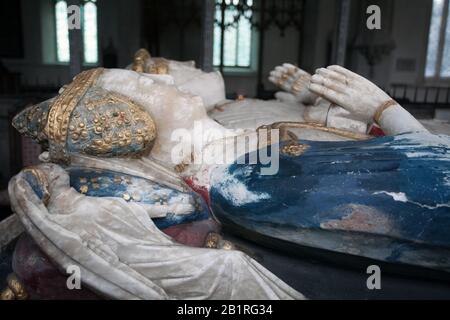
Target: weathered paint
[
  {"x": 386, "y": 198},
  {"x": 34, "y": 183},
  {"x": 105, "y": 183}
]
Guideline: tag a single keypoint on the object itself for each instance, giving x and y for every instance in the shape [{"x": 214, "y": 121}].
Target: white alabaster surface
[
  {"x": 142, "y": 167},
  {"x": 338, "y": 117},
  {"x": 170, "y": 108},
  {"x": 362, "y": 99},
  {"x": 293, "y": 80},
  {"x": 210, "y": 86},
  {"x": 317, "y": 113},
  {"x": 10, "y": 229},
  {"x": 396, "y": 120},
  {"x": 123, "y": 255},
  {"x": 173, "y": 110},
  {"x": 286, "y": 97},
  {"x": 253, "y": 113}
]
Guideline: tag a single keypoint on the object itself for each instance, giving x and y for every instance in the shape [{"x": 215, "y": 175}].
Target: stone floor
[
  {"x": 329, "y": 278},
  {"x": 437, "y": 126},
  {"x": 5, "y": 263}
]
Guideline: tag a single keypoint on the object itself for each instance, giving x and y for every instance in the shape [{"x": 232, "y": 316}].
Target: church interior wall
[
  {"x": 118, "y": 22},
  {"x": 405, "y": 64},
  {"x": 120, "y": 25},
  {"x": 317, "y": 39},
  {"x": 409, "y": 17}
]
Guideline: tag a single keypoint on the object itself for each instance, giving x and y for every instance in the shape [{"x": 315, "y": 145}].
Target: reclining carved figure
[{"x": 108, "y": 188}]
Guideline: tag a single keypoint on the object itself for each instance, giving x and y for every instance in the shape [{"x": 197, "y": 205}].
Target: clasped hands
[{"x": 336, "y": 84}]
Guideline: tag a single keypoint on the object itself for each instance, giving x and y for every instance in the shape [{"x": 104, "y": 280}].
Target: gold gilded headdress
[
  {"x": 144, "y": 63},
  {"x": 88, "y": 119},
  {"x": 62, "y": 108}
]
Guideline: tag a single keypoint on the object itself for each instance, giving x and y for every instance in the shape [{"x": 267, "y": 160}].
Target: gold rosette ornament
[{"x": 89, "y": 120}]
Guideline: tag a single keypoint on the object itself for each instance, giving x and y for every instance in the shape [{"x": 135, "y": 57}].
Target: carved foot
[
  {"x": 15, "y": 289},
  {"x": 216, "y": 241}
]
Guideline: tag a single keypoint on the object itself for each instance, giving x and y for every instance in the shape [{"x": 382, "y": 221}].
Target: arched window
[
  {"x": 237, "y": 47},
  {"x": 438, "y": 53},
  {"x": 89, "y": 30},
  {"x": 62, "y": 32}
]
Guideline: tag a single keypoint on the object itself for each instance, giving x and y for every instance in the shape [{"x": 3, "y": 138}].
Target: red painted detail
[
  {"x": 200, "y": 189},
  {"x": 192, "y": 234},
  {"x": 376, "y": 131},
  {"x": 40, "y": 277},
  {"x": 43, "y": 280}
]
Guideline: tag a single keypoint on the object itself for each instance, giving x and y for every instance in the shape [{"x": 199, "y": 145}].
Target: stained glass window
[
  {"x": 237, "y": 35},
  {"x": 438, "y": 53},
  {"x": 445, "y": 67},
  {"x": 62, "y": 32},
  {"x": 89, "y": 28},
  {"x": 90, "y": 32}
]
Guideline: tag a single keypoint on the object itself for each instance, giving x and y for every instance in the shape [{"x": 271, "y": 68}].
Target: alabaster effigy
[
  {"x": 294, "y": 103},
  {"x": 111, "y": 198}
]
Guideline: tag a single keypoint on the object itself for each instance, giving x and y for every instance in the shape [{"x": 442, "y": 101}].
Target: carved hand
[
  {"x": 294, "y": 80},
  {"x": 349, "y": 90}
]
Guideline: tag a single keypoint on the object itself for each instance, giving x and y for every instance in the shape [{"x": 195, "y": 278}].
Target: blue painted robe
[
  {"x": 107, "y": 183},
  {"x": 386, "y": 199}
]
